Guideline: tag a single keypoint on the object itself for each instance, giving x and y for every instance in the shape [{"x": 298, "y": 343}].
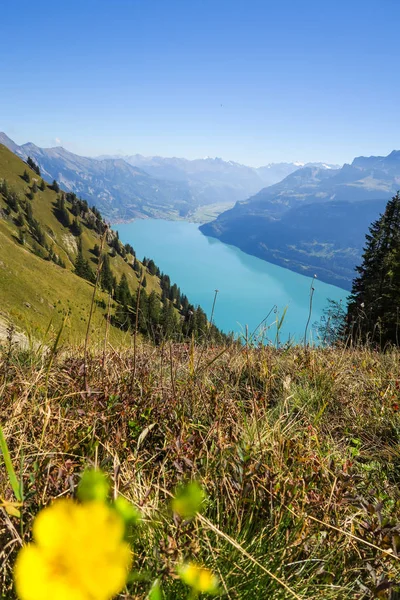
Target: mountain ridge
[
  {"x": 339, "y": 205},
  {"x": 134, "y": 186}
]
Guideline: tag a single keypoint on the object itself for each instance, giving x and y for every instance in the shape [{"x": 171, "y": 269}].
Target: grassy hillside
[
  {"x": 298, "y": 452},
  {"x": 35, "y": 292}
]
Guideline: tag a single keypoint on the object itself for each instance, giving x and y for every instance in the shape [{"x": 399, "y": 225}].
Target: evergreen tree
[
  {"x": 26, "y": 177},
  {"x": 82, "y": 267},
  {"x": 34, "y": 188},
  {"x": 136, "y": 265},
  {"x": 168, "y": 319},
  {"x": 129, "y": 249},
  {"x": 38, "y": 233},
  {"x": 153, "y": 304},
  {"x": 42, "y": 185},
  {"x": 29, "y": 213},
  {"x": 76, "y": 227},
  {"x": 143, "y": 311},
  {"x": 374, "y": 306},
  {"x": 332, "y": 325},
  {"x": 12, "y": 200},
  {"x": 106, "y": 278},
  {"x": 152, "y": 267},
  {"x": 61, "y": 212},
  {"x": 55, "y": 186},
  {"x": 4, "y": 188},
  {"x": 19, "y": 220},
  {"x": 122, "y": 292},
  {"x": 33, "y": 165}
]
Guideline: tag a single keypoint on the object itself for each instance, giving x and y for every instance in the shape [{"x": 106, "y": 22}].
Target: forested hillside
[{"x": 55, "y": 248}]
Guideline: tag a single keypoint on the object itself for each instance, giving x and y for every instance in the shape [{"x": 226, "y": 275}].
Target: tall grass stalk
[
  {"x": 15, "y": 484},
  {"x": 92, "y": 303}
]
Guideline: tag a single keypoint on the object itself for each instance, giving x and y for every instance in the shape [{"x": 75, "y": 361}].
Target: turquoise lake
[{"x": 249, "y": 287}]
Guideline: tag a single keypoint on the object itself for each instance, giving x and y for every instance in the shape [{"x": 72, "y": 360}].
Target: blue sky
[{"x": 254, "y": 81}]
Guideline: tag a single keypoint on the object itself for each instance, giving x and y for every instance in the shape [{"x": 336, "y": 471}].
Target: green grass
[
  {"x": 35, "y": 292},
  {"x": 209, "y": 212},
  {"x": 297, "y": 450}
]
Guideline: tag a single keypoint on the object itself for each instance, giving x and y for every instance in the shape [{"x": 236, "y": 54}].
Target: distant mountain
[
  {"x": 315, "y": 219},
  {"x": 213, "y": 180},
  {"x": 136, "y": 186},
  {"x": 275, "y": 172}
]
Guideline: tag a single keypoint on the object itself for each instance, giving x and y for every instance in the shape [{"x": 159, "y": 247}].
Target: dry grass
[{"x": 297, "y": 449}]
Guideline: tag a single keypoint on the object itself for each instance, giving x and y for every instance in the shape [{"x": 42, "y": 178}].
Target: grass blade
[{"x": 9, "y": 466}]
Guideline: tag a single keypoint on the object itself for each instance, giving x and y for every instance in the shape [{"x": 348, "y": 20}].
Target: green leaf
[
  {"x": 155, "y": 592},
  {"x": 188, "y": 500},
  {"x": 127, "y": 511},
  {"x": 9, "y": 467},
  {"x": 94, "y": 485}
]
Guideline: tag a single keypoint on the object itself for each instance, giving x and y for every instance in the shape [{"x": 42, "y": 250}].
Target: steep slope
[
  {"x": 35, "y": 291},
  {"x": 48, "y": 238},
  {"x": 334, "y": 206}
]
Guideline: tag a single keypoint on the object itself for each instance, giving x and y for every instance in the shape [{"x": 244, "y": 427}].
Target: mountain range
[
  {"x": 315, "y": 220},
  {"x": 214, "y": 180},
  {"x": 128, "y": 187},
  {"x": 311, "y": 218}
]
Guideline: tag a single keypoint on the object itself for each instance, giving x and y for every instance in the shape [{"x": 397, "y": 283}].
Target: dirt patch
[{"x": 70, "y": 243}]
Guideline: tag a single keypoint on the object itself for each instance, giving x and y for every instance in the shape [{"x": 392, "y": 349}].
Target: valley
[{"x": 199, "y": 300}]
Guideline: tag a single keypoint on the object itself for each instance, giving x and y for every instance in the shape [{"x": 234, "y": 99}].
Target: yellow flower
[
  {"x": 200, "y": 579},
  {"x": 78, "y": 554}
]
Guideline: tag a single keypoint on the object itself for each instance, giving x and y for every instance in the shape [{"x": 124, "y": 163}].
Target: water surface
[{"x": 248, "y": 287}]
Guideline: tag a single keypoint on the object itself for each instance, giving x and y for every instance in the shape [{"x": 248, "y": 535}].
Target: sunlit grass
[{"x": 296, "y": 451}]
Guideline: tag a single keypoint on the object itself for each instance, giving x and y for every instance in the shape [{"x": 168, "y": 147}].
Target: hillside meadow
[{"x": 35, "y": 294}]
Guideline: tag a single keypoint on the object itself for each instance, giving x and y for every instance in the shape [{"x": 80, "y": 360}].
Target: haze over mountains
[
  {"x": 116, "y": 188},
  {"x": 214, "y": 180},
  {"x": 315, "y": 220},
  {"x": 135, "y": 186}
]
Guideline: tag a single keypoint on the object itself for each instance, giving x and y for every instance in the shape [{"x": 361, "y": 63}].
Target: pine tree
[
  {"x": 13, "y": 200},
  {"x": 33, "y": 165},
  {"x": 29, "y": 213},
  {"x": 82, "y": 267},
  {"x": 76, "y": 227},
  {"x": 374, "y": 306},
  {"x": 122, "y": 293},
  {"x": 19, "y": 220},
  {"x": 106, "y": 278},
  {"x": 42, "y": 185},
  {"x": 26, "y": 177},
  {"x": 55, "y": 186},
  {"x": 168, "y": 319},
  {"x": 153, "y": 309},
  {"x": 143, "y": 311},
  {"x": 62, "y": 213}
]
